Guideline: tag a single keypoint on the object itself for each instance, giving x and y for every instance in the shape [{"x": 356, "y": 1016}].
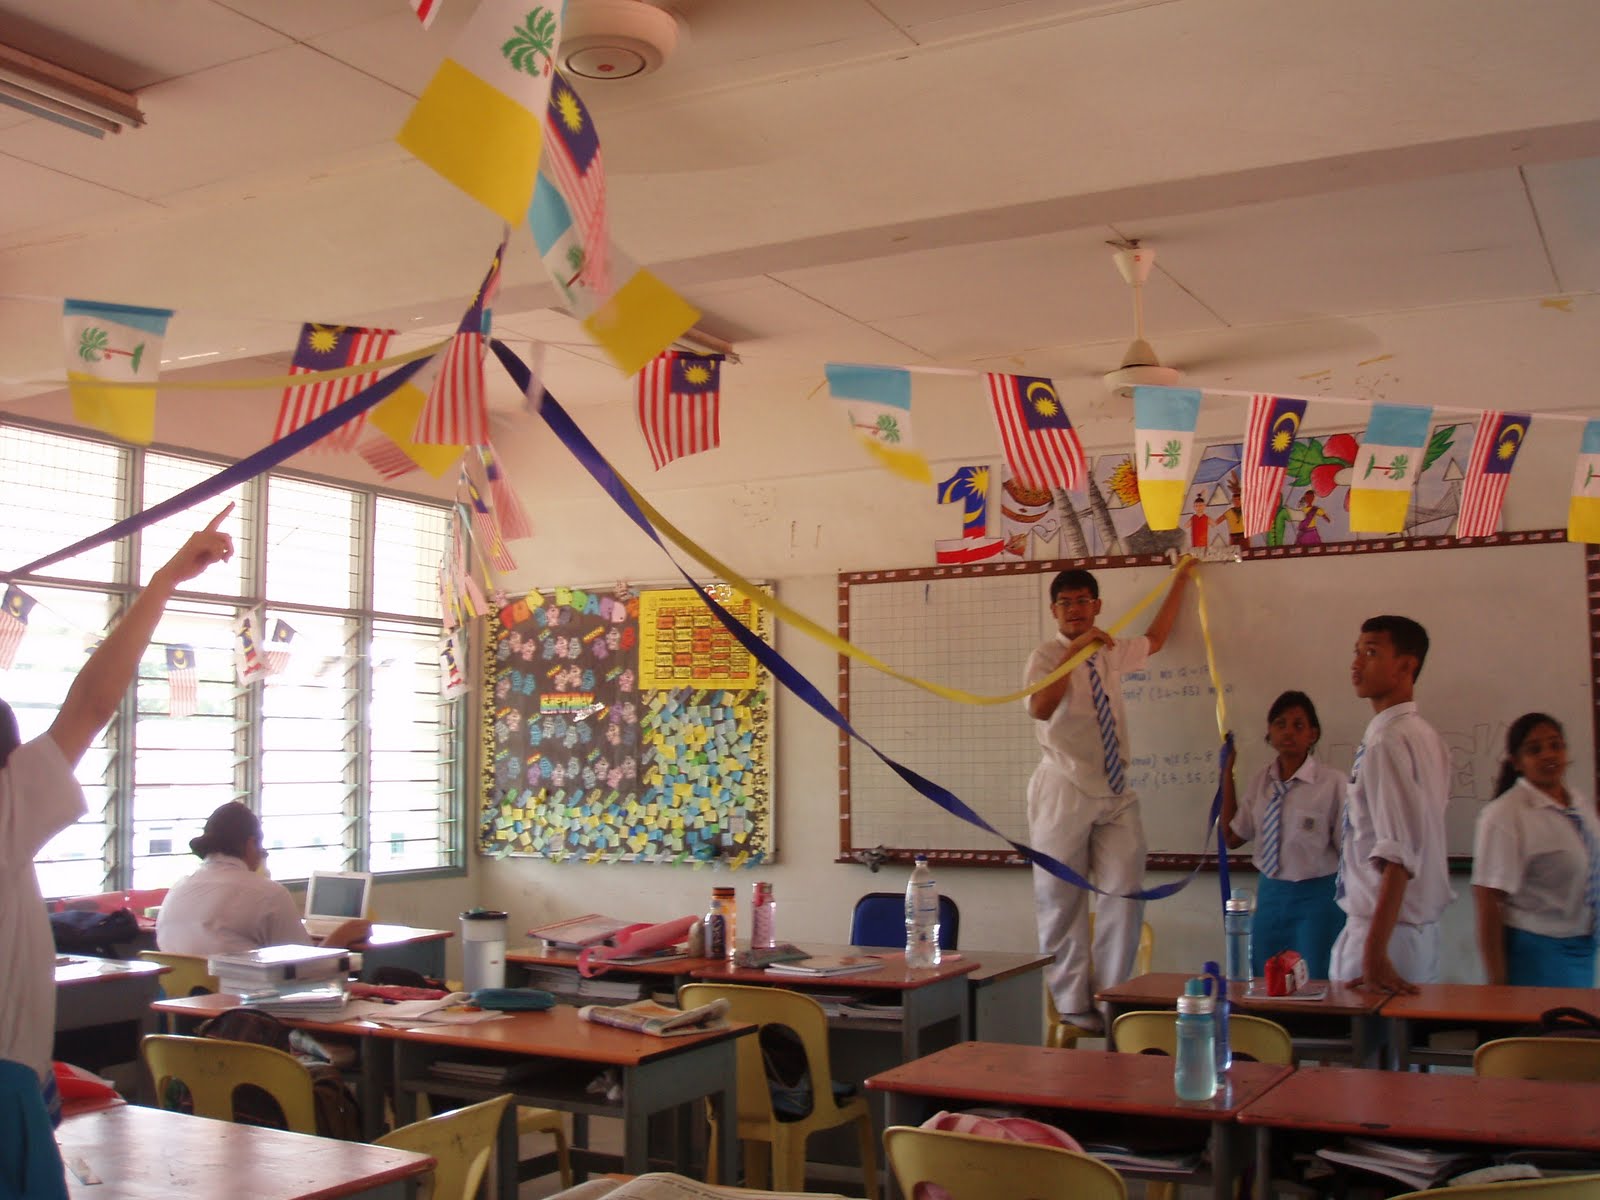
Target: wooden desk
[
  {"x": 656, "y": 1074},
  {"x": 112, "y": 998},
  {"x": 1492, "y": 1010},
  {"x": 1353, "y": 1014},
  {"x": 419, "y": 950},
  {"x": 1434, "y": 1108},
  {"x": 1076, "y": 1081},
  {"x": 147, "y": 1154}
]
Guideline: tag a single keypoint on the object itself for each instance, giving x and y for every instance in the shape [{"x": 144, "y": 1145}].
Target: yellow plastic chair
[
  {"x": 461, "y": 1143},
  {"x": 981, "y": 1168},
  {"x": 1568, "y": 1187},
  {"x": 1250, "y": 1037},
  {"x": 1575, "y": 1060},
  {"x": 1058, "y": 1032},
  {"x": 764, "y": 1135},
  {"x": 211, "y": 1069},
  {"x": 535, "y": 1120},
  {"x": 186, "y": 974}
]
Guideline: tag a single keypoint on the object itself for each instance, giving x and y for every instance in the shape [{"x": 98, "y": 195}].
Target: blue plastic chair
[{"x": 880, "y": 920}]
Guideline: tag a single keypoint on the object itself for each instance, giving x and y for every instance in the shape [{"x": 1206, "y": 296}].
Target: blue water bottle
[
  {"x": 1237, "y": 915},
  {"x": 1217, "y": 987},
  {"x": 1194, "y": 1071}
]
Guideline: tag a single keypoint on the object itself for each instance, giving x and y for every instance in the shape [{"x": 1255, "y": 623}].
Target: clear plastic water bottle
[
  {"x": 1194, "y": 1070},
  {"x": 922, "y": 917},
  {"x": 1237, "y": 915}
]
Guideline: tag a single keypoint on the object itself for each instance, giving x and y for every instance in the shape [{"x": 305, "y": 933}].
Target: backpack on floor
[{"x": 338, "y": 1111}]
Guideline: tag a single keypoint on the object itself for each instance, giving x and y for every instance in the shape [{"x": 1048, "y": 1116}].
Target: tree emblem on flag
[
  {"x": 887, "y": 429},
  {"x": 94, "y": 344},
  {"x": 533, "y": 40},
  {"x": 1396, "y": 470},
  {"x": 1168, "y": 456}
]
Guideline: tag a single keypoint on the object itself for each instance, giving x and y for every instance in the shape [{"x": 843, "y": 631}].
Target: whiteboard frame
[{"x": 874, "y": 855}]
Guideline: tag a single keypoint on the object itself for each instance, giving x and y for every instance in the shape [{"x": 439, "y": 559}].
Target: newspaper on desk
[{"x": 665, "y": 1186}]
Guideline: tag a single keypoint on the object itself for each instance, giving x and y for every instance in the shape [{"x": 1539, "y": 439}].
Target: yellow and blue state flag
[
  {"x": 1163, "y": 438},
  {"x": 633, "y": 316},
  {"x": 1387, "y": 466},
  {"x": 479, "y": 123},
  {"x": 1583, "y": 513},
  {"x": 114, "y": 343},
  {"x": 877, "y": 401}
]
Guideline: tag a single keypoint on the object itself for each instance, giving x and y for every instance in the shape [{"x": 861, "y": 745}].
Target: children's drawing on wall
[
  {"x": 1114, "y": 485},
  {"x": 1029, "y": 522},
  {"x": 1437, "y": 500},
  {"x": 967, "y": 488},
  {"x": 1314, "y": 506}
]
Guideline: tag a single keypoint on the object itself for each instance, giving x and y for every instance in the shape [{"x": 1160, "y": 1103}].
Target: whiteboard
[{"x": 1508, "y": 622}]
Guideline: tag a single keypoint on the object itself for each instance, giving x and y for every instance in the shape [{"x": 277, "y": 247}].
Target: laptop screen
[{"x": 343, "y": 895}]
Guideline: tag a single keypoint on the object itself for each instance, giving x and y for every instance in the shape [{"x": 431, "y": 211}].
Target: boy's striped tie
[
  {"x": 1272, "y": 829},
  {"x": 1344, "y": 834},
  {"x": 1108, "y": 730},
  {"x": 1592, "y": 846}
]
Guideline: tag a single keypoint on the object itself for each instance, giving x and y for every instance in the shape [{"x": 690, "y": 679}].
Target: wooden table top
[
  {"x": 892, "y": 976},
  {"x": 403, "y": 935},
  {"x": 149, "y": 1154},
  {"x": 98, "y": 970},
  {"x": 1496, "y": 1003},
  {"x": 1090, "y": 1080},
  {"x": 1465, "y": 1108},
  {"x": 555, "y": 1033},
  {"x": 1161, "y": 989},
  {"x": 991, "y": 964}
]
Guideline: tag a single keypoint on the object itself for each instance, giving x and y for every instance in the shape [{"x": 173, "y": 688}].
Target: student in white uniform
[
  {"x": 1293, "y": 811},
  {"x": 1080, "y": 809},
  {"x": 228, "y": 906},
  {"x": 39, "y": 797},
  {"x": 1536, "y": 866},
  {"x": 1394, "y": 877}
]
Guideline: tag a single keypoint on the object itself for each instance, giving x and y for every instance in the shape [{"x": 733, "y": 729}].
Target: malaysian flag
[
  {"x": 1041, "y": 446},
  {"x": 456, "y": 413},
  {"x": 508, "y": 510},
  {"x": 183, "y": 681},
  {"x": 452, "y": 653},
  {"x": 383, "y": 455},
  {"x": 278, "y": 647},
  {"x": 680, "y": 404},
  {"x": 426, "y": 11},
  {"x": 1268, "y": 440},
  {"x": 485, "y": 529},
  {"x": 1494, "y": 452},
  {"x": 324, "y": 348},
  {"x": 14, "y": 612},
  {"x": 572, "y": 155}
]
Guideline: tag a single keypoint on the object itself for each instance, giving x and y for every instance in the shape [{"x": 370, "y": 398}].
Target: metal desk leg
[
  {"x": 1400, "y": 1051},
  {"x": 1263, "y": 1137},
  {"x": 1222, "y": 1169}
]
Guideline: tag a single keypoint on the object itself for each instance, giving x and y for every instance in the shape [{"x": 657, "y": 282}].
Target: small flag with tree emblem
[
  {"x": 680, "y": 405},
  {"x": 1494, "y": 452},
  {"x": 1268, "y": 442},
  {"x": 1041, "y": 446},
  {"x": 278, "y": 649},
  {"x": 1583, "y": 512},
  {"x": 1387, "y": 466},
  {"x": 14, "y": 612},
  {"x": 1163, "y": 439},
  {"x": 877, "y": 402},
  {"x": 183, "y": 681},
  {"x": 114, "y": 344},
  {"x": 325, "y": 348}
]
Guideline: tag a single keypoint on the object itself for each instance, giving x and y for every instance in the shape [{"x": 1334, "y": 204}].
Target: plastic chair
[
  {"x": 1058, "y": 1032},
  {"x": 535, "y": 1120},
  {"x": 211, "y": 1069},
  {"x": 879, "y": 919},
  {"x": 1250, "y": 1037},
  {"x": 757, "y": 1122},
  {"x": 187, "y": 974},
  {"x": 1569, "y": 1187},
  {"x": 461, "y": 1142},
  {"x": 981, "y": 1168},
  {"x": 1573, "y": 1059}
]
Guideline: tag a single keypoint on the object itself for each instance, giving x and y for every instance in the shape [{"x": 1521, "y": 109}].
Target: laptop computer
[{"x": 334, "y": 897}]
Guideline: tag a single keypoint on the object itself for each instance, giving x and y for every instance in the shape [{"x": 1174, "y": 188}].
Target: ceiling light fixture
[{"x": 46, "y": 90}]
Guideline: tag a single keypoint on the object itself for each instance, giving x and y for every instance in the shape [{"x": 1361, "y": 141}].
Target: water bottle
[
  {"x": 1217, "y": 989},
  {"x": 1237, "y": 914},
  {"x": 922, "y": 917},
  {"x": 1194, "y": 1070},
  {"x": 722, "y": 932},
  {"x": 763, "y": 909}
]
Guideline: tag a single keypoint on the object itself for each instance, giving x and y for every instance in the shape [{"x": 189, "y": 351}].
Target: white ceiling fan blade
[{"x": 1237, "y": 349}]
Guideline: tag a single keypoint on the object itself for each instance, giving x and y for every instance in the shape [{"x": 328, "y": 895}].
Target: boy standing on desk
[
  {"x": 1080, "y": 809},
  {"x": 1394, "y": 877}
]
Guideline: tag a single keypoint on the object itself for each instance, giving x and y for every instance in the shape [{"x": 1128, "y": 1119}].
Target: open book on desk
[
  {"x": 658, "y": 1020},
  {"x": 827, "y": 964}
]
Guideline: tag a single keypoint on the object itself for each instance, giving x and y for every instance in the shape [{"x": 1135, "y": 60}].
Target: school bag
[
  {"x": 1565, "y": 1022},
  {"x": 338, "y": 1111},
  {"x": 84, "y": 931}
]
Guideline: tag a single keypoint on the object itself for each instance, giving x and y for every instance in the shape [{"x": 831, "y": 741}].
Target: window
[{"x": 346, "y": 750}]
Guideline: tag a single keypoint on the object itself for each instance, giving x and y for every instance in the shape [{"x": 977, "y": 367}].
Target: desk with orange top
[{"x": 1490, "y": 1010}]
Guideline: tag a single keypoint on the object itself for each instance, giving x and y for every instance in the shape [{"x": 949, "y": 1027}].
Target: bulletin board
[
  {"x": 1509, "y": 619},
  {"x": 625, "y": 727}
]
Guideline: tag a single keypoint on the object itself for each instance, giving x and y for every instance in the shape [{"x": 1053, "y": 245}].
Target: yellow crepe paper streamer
[
  {"x": 269, "y": 381},
  {"x": 1211, "y": 657}
]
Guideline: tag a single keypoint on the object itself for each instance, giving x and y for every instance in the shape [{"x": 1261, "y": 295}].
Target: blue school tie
[
  {"x": 1108, "y": 730},
  {"x": 1272, "y": 829},
  {"x": 1344, "y": 833},
  {"x": 1591, "y": 891}
]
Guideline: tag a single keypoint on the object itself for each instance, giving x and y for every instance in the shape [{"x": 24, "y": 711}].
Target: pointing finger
[{"x": 219, "y": 518}]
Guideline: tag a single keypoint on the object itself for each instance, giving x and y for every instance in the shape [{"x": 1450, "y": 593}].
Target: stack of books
[
  {"x": 490, "y": 1074},
  {"x": 1416, "y": 1166},
  {"x": 298, "y": 981},
  {"x": 827, "y": 964}
]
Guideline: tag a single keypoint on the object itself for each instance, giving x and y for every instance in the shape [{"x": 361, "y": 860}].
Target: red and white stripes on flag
[
  {"x": 1494, "y": 451},
  {"x": 426, "y": 11},
  {"x": 303, "y": 403},
  {"x": 503, "y": 499},
  {"x": 183, "y": 681},
  {"x": 13, "y": 624},
  {"x": 383, "y": 455},
  {"x": 456, "y": 413},
  {"x": 1268, "y": 444},
  {"x": 486, "y": 528},
  {"x": 1041, "y": 446},
  {"x": 679, "y": 412}
]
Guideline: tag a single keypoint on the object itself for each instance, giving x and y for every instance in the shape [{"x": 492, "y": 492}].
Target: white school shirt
[
  {"x": 1526, "y": 847},
  {"x": 1070, "y": 738},
  {"x": 1396, "y": 804},
  {"x": 39, "y": 797},
  {"x": 1309, "y": 822},
  {"x": 226, "y": 908}
]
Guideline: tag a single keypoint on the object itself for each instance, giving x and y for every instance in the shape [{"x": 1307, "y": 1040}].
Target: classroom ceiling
[{"x": 923, "y": 182}]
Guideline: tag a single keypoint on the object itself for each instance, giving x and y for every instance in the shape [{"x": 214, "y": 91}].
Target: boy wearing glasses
[{"x": 1080, "y": 809}]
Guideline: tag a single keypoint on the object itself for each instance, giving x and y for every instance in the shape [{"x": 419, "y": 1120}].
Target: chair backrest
[
  {"x": 879, "y": 919},
  {"x": 1573, "y": 1059},
  {"x": 211, "y": 1069},
  {"x": 771, "y": 1006},
  {"x": 1567, "y": 1187},
  {"x": 186, "y": 975},
  {"x": 977, "y": 1168},
  {"x": 1250, "y": 1037},
  {"x": 460, "y": 1142}
]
